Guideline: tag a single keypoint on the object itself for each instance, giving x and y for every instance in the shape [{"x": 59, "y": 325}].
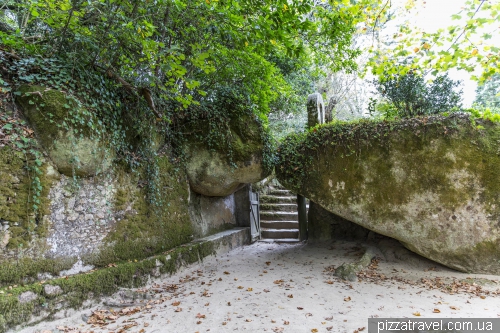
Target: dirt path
[{"x": 268, "y": 287}]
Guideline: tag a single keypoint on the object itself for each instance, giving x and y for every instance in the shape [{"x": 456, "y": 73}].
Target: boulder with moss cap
[
  {"x": 432, "y": 183},
  {"x": 64, "y": 130},
  {"x": 212, "y": 173}
]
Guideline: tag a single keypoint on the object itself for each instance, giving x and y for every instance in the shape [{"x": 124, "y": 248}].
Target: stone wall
[
  {"x": 97, "y": 210},
  {"x": 80, "y": 216}
]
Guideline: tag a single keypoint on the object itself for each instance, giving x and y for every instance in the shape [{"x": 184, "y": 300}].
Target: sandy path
[{"x": 268, "y": 287}]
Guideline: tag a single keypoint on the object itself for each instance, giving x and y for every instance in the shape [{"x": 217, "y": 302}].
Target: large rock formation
[
  {"x": 63, "y": 128},
  {"x": 431, "y": 183},
  {"x": 212, "y": 173}
]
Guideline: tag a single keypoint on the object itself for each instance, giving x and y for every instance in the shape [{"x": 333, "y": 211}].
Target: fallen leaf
[
  {"x": 198, "y": 322},
  {"x": 199, "y": 315},
  {"x": 436, "y": 311},
  {"x": 347, "y": 299},
  {"x": 286, "y": 322},
  {"x": 273, "y": 321},
  {"x": 268, "y": 263},
  {"x": 248, "y": 320},
  {"x": 300, "y": 308},
  {"x": 454, "y": 307},
  {"x": 482, "y": 297},
  {"x": 249, "y": 289},
  {"x": 314, "y": 330},
  {"x": 178, "y": 310},
  {"x": 240, "y": 287},
  {"x": 416, "y": 314},
  {"x": 207, "y": 304},
  {"x": 329, "y": 318},
  {"x": 176, "y": 303},
  {"x": 290, "y": 296},
  {"x": 227, "y": 273},
  {"x": 229, "y": 303},
  {"x": 361, "y": 329},
  {"x": 224, "y": 323},
  {"x": 266, "y": 290},
  {"x": 329, "y": 328}
]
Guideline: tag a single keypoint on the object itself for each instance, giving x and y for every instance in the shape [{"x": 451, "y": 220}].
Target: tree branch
[{"x": 144, "y": 92}]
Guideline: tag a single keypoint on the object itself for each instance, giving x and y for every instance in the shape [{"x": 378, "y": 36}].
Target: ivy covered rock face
[
  {"x": 67, "y": 132},
  {"x": 212, "y": 172},
  {"x": 432, "y": 183}
]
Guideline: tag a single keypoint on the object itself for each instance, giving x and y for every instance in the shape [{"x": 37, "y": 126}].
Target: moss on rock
[
  {"x": 70, "y": 135},
  {"x": 16, "y": 198},
  {"x": 26, "y": 270},
  {"x": 157, "y": 219}
]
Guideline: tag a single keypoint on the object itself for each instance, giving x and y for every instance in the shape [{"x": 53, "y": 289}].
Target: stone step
[
  {"x": 279, "y": 224},
  {"x": 278, "y": 207},
  {"x": 280, "y": 240},
  {"x": 279, "y": 216},
  {"x": 279, "y": 192},
  {"x": 279, "y": 233},
  {"x": 275, "y": 199}
]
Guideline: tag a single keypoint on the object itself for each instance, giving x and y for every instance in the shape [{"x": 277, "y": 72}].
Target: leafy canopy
[
  {"x": 466, "y": 45},
  {"x": 184, "y": 51}
]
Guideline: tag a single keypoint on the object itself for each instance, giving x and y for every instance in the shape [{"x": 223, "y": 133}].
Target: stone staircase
[{"x": 278, "y": 216}]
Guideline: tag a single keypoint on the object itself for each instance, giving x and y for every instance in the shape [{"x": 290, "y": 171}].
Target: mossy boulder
[
  {"x": 215, "y": 172},
  {"x": 432, "y": 183},
  {"x": 69, "y": 134}
]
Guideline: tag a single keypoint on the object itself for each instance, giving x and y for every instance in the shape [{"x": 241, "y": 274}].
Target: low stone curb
[{"x": 32, "y": 303}]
